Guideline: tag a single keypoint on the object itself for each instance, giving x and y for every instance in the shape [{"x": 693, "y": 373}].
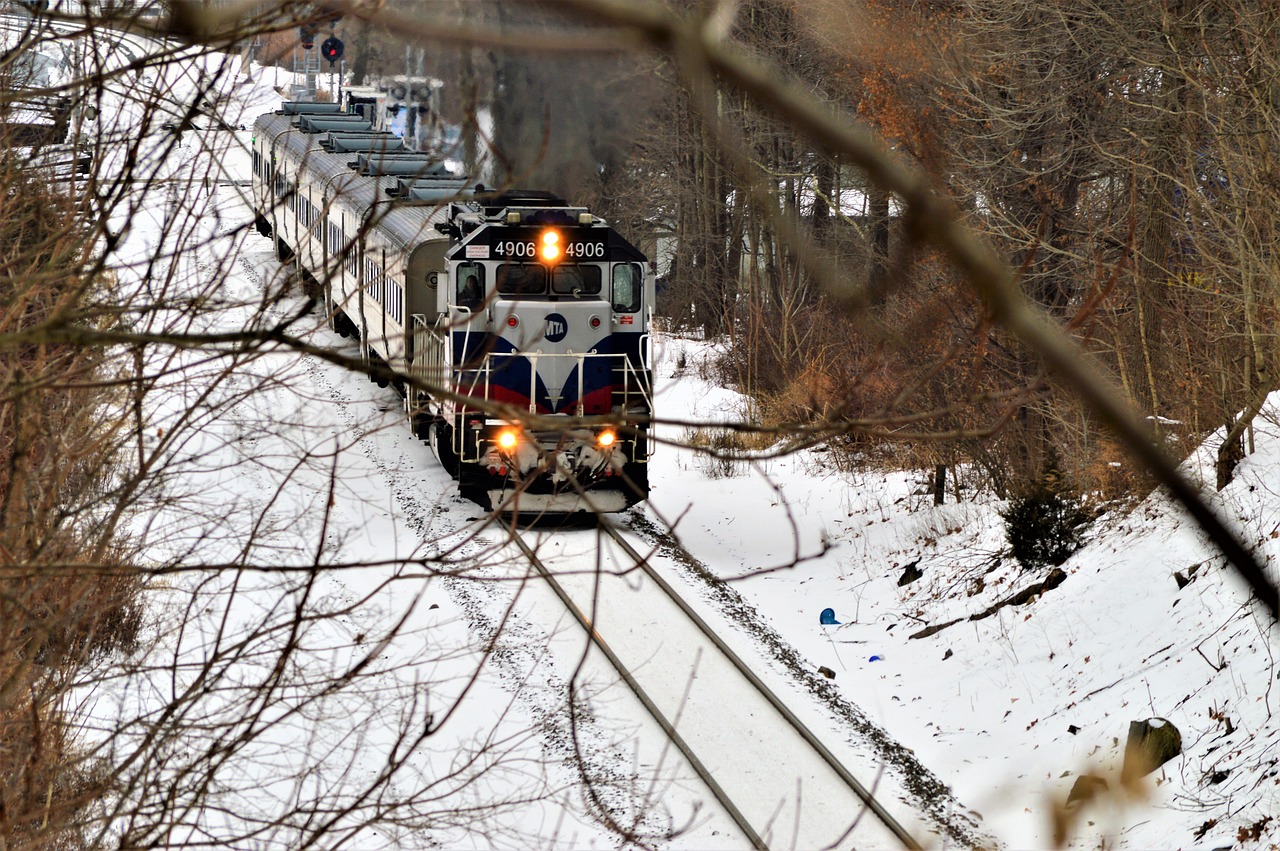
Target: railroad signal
[
  {"x": 331, "y": 49},
  {"x": 308, "y": 36}
]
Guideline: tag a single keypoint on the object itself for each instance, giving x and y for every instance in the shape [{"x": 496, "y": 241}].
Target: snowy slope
[{"x": 1010, "y": 709}]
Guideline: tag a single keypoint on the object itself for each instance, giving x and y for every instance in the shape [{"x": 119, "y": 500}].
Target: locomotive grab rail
[{"x": 632, "y": 387}]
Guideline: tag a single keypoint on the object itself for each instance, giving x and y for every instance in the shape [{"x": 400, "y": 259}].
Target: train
[{"x": 515, "y": 326}]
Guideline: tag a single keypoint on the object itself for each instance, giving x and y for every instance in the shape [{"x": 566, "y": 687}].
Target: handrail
[{"x": 631, "y": 375}]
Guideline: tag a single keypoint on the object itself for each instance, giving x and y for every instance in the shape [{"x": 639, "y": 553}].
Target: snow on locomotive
[{"x": 515, "y": 325}]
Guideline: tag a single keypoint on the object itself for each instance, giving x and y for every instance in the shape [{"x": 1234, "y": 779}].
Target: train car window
[
  {"x": 470, "y": 284},
  {"x": 570, "y": 279},
  {"x": 522, "y": 279},
  {"x": 628, "y": 282}
]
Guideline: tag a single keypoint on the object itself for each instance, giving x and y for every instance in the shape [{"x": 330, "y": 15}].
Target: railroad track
[{"x": 774, "y": 778}]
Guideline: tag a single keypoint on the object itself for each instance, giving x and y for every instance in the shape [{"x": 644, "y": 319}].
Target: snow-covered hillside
[{"x": 1011, "y": 709}]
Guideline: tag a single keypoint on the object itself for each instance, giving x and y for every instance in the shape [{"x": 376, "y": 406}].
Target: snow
[
  {"x": 350, "y": 548},
  {"x": 1011, "y": 709}
]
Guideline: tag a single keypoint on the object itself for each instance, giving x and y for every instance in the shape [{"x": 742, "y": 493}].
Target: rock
[
  {"x": 1181, "y": 580},
  {"x": 827, "y": 672},
  {"x": 1151, "y": 744},
  {"x": 1085, "y": 788}
]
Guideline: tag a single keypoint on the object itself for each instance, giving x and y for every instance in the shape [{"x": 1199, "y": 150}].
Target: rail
[
  {"x": 704, "y": 774},
  {"x": 427, "y": 364},
  {"x": 743, "y": 821},
  {"x": 863, "y": 793}
]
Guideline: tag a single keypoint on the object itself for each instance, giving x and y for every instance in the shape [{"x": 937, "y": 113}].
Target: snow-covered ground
[
  {"x": 279, "y": 463},
  {"x": 1012, "y": 708}
]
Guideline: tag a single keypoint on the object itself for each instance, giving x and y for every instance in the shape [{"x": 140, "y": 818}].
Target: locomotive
[{"x": 514, "y": 324}]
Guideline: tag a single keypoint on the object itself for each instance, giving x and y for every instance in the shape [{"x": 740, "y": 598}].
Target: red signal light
[{"x": 332, "y": 48}]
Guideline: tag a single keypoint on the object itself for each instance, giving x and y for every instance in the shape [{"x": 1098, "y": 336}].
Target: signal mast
[{"x": 306, "y": 63}]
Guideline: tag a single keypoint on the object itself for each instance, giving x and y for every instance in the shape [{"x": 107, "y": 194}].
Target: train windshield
[
  {"x": 522, "y": 279},
  {"x": 568, "y": 279}
]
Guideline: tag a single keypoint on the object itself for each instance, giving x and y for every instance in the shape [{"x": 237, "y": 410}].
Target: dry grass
[{"x": 56, "y": 461}]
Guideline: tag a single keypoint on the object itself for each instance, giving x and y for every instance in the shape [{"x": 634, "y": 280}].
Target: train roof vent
[
  {"x": 398, "y": 163},
  {"x": 345, "y": 143},
  {"x": 323, "y": 123},
  {"x": 435, "y": 189},
  {"x": 299, "y": 107}
]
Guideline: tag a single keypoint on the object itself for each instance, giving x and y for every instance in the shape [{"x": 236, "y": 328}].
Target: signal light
[
  {"x": 550, "y": 249},
  {"x": 332, "y": 48},
  {"x": 606, "y": 439}
]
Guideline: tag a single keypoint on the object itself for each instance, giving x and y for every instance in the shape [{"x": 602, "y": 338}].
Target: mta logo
[{"x": 557, "y": 327}]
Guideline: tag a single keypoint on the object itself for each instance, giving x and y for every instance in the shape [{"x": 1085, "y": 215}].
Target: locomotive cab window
[
  {"x": 576, "y": 280},
  {"x": 470, "y": 292},
  {"x": 522, "y": 279},
  {"x": 628, "y": 282}
]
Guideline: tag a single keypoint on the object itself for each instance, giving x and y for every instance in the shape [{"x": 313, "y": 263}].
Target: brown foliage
[{"x": 66, "y": 599}]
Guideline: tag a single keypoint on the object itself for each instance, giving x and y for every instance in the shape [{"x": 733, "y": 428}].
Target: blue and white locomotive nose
[{"x": 553, "y": 369}]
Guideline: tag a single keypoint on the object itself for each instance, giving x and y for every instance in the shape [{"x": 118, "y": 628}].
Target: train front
[{"x": 550, "y": 317}]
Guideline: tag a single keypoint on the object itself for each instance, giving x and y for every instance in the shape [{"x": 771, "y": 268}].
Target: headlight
[
  {"x": 550, "y": 249},
  {"x": 606, "y": 439},
  {"x": 508, "y": 438}
]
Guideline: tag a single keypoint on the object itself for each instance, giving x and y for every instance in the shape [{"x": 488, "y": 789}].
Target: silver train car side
[{"x": 515, "y": 325}]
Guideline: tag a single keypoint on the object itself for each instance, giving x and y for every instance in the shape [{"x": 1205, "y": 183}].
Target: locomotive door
[{"x": 467, "y": 322}]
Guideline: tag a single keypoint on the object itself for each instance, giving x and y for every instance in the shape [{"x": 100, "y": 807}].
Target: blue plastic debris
[
  {"x": 828, "y": 618},
  {"x": 875, "y": 659}
]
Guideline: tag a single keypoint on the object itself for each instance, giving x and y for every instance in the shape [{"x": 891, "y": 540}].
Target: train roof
[
  {"x": 405, "y": 222},
  {"x": 410, "y": 192}
]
